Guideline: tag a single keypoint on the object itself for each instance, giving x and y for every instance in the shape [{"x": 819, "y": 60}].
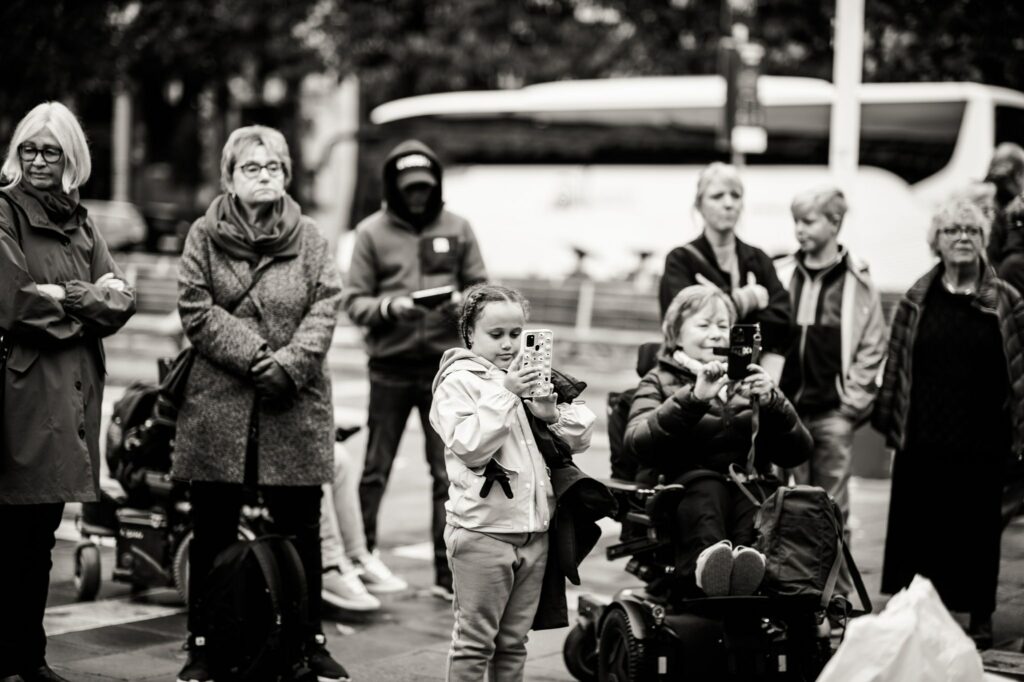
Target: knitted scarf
[{"x": 276, "y": 234}]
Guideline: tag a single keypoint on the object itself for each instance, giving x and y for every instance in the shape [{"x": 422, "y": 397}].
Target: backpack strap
[
  {"x": 844, "y": 556},
  {"x": 716, "y": 277}
]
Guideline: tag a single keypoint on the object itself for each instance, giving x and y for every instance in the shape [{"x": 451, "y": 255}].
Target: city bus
[{"x": 607, "y": 169}]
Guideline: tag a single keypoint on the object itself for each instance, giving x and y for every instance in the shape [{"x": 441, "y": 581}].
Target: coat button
[
  {"x": 81, "y": 433},
  {"x": 78, "y": 385}
]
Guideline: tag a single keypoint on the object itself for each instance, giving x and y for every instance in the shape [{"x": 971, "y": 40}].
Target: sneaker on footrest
[
  {"x": 377, "y": 577},
  {"x": 714, "y": 569},
  {"x": 747, "y": 571}
]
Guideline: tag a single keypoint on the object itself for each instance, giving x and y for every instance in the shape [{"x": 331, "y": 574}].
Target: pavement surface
[{"x": 125, "y": 636}]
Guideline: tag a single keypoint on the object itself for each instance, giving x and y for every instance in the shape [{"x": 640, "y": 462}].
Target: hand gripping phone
[
  {"x": 537, "y": 348},
  {"x": 744, "y": 349}
]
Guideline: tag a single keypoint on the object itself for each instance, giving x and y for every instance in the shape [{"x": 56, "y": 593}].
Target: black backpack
[
  {"x": 255, "y": 601},
  {"x": 624, "y": 466},
  {"x": 137, "y": 442}
]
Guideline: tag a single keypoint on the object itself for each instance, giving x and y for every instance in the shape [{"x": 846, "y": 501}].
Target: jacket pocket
[
  {"x": 495, "y": 510},
  {"x": 21, "y": 358},
  {"x": 439, "y": 255}
]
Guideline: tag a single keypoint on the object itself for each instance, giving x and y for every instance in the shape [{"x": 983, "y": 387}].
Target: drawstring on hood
[{"x": 394, "y": 204}]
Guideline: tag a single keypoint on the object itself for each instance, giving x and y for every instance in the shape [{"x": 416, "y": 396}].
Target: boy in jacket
[{"x": 830, "y": 373}]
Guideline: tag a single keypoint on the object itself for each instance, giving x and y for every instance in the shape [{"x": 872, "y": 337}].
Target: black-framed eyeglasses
[
  {"x": 957, "y": 230},
  {"x": 252, "y": 169},
  {"x": 28, "y": 153}
]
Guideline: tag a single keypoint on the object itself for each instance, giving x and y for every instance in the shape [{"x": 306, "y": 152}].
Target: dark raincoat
[{"x": 53, "y": 381}]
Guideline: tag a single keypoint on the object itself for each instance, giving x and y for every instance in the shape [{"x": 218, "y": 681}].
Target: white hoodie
[{"x": 479, "y": 420}]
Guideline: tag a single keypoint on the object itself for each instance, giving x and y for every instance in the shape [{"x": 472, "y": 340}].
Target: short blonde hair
[
  {"x": 58, "y": 120},
  {"x": 957, "y": 211},
  {"x": 242, "y": 139},
  {"x": 690, "y": 300},
  {"x": 828, "y": 201},
  {"x": 727, "y": 173}
]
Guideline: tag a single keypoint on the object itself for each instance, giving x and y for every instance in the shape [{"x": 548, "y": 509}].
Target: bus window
[
  {"x": 1010, "y": 125},
  {"x": 911, "y": 139}
]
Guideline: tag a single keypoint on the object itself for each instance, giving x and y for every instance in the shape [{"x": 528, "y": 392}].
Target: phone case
[
  {"x": 744, "y": 349},
  {"x": 538, "y": 354}
]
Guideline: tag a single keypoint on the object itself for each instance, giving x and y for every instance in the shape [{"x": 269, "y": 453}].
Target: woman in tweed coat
[{"x": 258, "y": 297}]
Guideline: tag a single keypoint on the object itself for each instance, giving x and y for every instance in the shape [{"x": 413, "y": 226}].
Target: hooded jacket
[
  {"x": 52, "y": 391},
  {"x": 479, "y": 420},
  {"x": 397, "y": 253}
]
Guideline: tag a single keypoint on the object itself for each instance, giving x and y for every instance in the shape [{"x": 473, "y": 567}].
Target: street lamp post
[{"x": 742, "y": 129}]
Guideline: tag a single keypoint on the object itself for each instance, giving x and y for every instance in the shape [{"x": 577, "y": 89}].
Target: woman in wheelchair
[{"x": 688, "y": 423}]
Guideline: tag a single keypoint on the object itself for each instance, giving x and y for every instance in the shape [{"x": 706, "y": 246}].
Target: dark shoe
[
  {"x": 41, "y": 674},
  {"x": 319, "y": 660},
  {"x": 197, "y": 667}
]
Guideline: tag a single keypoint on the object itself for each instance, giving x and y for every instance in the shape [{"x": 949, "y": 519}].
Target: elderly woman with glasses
[
  {"x": 952, "y": 406},
  {"x": 60, "y": 294},
  {"x": 259, "y": 295}
]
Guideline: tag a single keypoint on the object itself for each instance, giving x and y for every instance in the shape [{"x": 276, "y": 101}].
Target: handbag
[{"x": 172, "y": 387}]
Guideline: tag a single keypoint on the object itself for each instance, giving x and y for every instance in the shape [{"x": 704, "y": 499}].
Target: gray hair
[
  {"x": 242, "y": 139},
  {"x": 58, "y": 120},
  {"x": 957, "y": 211},
  {"x": 690, "y": 300}
]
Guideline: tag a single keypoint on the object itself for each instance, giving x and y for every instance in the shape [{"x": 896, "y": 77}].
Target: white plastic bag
[{"x": 913, "y": 639}]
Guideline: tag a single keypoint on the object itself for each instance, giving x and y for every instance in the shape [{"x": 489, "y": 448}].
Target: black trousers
[
  {"x": 28, "y": 533},
  {"x": 215, "y": 513},
  {"x": 392, "y": 398},
  {"x": 711, "y": 510}
]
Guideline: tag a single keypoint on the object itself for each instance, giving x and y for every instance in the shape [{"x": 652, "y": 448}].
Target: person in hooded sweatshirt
[
  {"x": 413, "y": 243},
  {"x": 497, "y": 538}
]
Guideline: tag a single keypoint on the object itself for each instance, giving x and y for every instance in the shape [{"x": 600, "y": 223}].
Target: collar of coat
[
  {"x": 857, "y": 268},
  {"x": 746, "y": 255},
  {"x": 985, "y": 298},
  {"x": 37, "y": 217}
]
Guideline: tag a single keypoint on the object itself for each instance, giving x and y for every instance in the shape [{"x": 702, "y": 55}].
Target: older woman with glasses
[
  {"x": 952, "y": 406},
  {"x": 60, "y": 294},
  {"x": 258, "y": 296}
]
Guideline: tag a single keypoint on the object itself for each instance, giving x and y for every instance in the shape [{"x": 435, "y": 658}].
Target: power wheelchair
[{"x": 663, "y": 630}]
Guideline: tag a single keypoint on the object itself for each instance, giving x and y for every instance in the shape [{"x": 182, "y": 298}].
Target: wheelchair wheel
[
  {"x": 580, "y": 653},
  {"x": 621, "y": 657},
  {"x": 87, "y": 571}
]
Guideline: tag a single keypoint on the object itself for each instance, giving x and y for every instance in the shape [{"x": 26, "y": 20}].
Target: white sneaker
[
  {"x": 346, "y": 591},
  {"x": 747, "y": 570},
  {"x": 714, "y": 569},
  {"x": 377, "y": 577}
]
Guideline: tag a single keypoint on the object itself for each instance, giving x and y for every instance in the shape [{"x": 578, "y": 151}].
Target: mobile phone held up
[
  {"x": 537, "y": 348},
  {"x": 744, "y": 349}
]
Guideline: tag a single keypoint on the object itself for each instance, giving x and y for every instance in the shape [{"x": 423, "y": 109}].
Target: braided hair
[{"x": 474, "y": 301}]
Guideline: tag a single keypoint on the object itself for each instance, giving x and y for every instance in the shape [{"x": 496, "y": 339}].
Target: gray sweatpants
[{"x": 497, "y": 586}]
